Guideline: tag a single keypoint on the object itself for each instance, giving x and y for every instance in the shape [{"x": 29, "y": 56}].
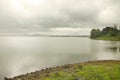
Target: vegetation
[
  {"x": 97, "y": 70},
  {"x": 108, "y": 33}
]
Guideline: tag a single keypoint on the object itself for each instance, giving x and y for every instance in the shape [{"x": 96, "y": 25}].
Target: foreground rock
[{"x": 92, "y": 70}]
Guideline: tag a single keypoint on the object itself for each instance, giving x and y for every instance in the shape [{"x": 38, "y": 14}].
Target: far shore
[{"x": 46, "y": 35}]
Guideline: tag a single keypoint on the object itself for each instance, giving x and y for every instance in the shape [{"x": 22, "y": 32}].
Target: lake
[{"x": 19, "y": 55}]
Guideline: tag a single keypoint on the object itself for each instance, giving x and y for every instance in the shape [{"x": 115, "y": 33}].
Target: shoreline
[
  {"x": 105, "y": 39},
  {"x": 69, "y": 68}
]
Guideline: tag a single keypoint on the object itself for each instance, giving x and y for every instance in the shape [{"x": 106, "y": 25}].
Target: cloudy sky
[{"x": 57, "y": 16}]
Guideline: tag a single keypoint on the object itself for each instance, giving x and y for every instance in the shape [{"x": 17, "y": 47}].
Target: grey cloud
[{"x": 59, "y": 13}]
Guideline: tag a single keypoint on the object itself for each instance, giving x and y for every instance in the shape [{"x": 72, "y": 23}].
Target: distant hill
[{"x": 49, "y": 35}]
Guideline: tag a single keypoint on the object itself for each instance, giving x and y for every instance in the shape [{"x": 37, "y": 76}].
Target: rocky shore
[{"x": 70, "y": 71}]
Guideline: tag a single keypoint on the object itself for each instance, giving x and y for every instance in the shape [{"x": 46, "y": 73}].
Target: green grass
[
  {"x": 89, "y": 72},
  {"x": 111, "y": 38},
  {"x": 97, "y": 70}
]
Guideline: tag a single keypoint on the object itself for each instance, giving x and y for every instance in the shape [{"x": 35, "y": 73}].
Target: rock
[
  {"x": 80, "y": 66},
  {"x": 76, "y": 79},
  {"x": 6, "y": 78},
  {"x": 20, "y": 79}
]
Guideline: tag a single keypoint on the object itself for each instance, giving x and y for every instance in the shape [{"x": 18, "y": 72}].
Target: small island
[{"x": 108, "y": 33}]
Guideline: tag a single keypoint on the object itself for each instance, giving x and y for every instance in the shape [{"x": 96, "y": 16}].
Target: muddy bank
[{"x": 67, "y": 69}]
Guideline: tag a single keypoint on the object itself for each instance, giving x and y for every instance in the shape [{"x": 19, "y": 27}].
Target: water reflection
[
  {"x": 113, "y": 46},
  {"x": 114, "y": 49}
]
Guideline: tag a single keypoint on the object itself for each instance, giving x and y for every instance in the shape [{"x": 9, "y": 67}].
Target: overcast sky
[{"x": 57, "y": 16}]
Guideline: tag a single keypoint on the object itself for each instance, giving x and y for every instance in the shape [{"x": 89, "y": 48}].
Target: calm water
[{"x": 20, "y": 55}]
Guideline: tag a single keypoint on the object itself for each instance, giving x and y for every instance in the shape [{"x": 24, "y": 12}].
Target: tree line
[{"x": 107, "y": 31}]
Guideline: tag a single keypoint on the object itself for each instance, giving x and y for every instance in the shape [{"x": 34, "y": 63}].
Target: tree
[
  {"x": 106, "y": 32},
  {"x": 95, "y": 33}
]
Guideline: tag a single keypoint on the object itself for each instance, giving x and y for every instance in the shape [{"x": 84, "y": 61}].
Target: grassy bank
[
  {"x": 94, "y": 70},
  {"x": 113, "y": 38}
]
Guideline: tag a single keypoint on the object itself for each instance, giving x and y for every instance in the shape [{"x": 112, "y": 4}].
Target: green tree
[{"x": 95, "y": 33}]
